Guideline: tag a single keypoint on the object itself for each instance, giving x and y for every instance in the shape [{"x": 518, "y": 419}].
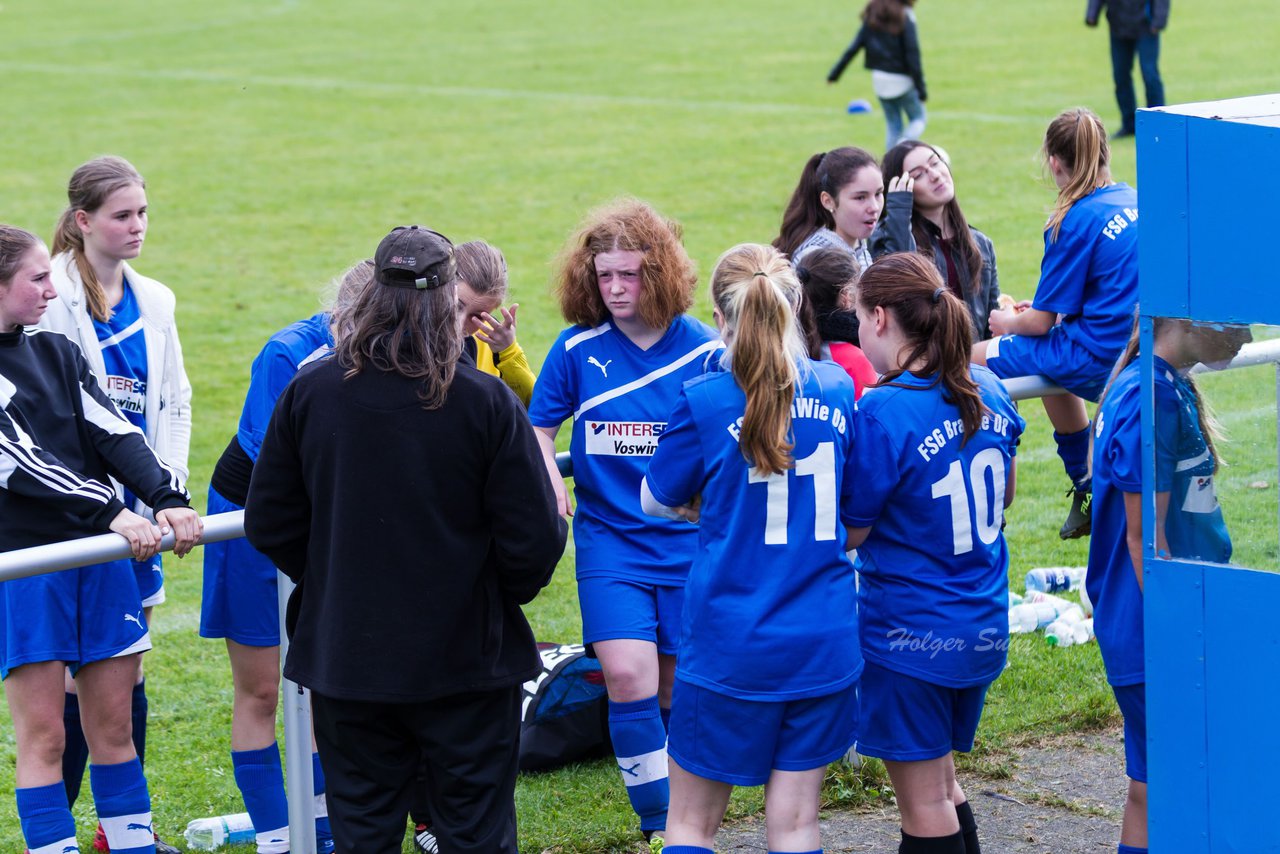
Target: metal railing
[{"x": 296, "y": 704}]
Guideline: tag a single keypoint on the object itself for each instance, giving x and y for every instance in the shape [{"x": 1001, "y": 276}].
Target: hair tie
[
  {"x": 759, "y": 273},
  {"x": 802, "y": 273},
  {"x": 937, "y": 295}
]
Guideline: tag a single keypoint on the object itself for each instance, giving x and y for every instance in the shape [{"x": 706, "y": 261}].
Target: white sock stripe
[
  {"x": 62, "y": 846},
  {"x": 273, "y": 841},
  {"x": 645, "y": 768},
  {"x": 321, "y": 807},
  {"x": 129, "y": 831}
]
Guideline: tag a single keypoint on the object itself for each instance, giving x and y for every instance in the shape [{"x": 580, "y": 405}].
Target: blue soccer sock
[
  {"x": 814, "y": 851},
  {"x": 75, "y": 756},
  {"x": 124, "y": 806},
  {"x": 45, "y": 816},
  {"x": 1073, "y": 449},
  {"x": 138, "y": 712},
  {"x": 1130, "y": 849},
  {"x": 640, "y": 743},
  {"x": 686, "y": 849},
  {"x": 324, "y": 835},
  {"x": 261, "y": 780},
  {"x": 665, "y": 712}
]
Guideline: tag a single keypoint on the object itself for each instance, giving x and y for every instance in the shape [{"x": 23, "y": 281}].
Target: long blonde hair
[
  {"x": 1079, "y": 142},
  {"x": 757, "y": 294},
  {"x": 88, "y": 189}
]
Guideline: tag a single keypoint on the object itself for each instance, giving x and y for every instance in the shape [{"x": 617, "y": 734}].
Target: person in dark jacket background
[
  {"x": 888, "y": 33},
  {"x": 404, "y": 492},
  {"x": 1135, "y": 28}
]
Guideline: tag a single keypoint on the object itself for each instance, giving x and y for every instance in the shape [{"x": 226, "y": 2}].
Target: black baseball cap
[{"x": 413, "y": 256}]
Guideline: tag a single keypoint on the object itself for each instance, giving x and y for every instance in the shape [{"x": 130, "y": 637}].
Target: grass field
[{"x": 281, "y": 139}]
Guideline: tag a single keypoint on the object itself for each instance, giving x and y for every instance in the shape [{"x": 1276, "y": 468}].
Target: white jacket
[{"x": 168, "y": 403}]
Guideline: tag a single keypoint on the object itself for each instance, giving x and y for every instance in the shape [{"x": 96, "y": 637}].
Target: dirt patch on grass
[{"x": 1064, "y": 796}]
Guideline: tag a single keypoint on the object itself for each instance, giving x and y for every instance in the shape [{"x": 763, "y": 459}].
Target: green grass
[{"x": 281, "y": 139}]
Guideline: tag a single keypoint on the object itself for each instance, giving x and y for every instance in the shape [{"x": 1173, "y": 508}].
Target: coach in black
[{"x": 403, "y": 490}]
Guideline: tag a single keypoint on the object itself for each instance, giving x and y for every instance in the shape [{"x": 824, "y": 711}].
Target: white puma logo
[
  {"x": 604, "y": 369},
  {"x": 131, "y": 618}
]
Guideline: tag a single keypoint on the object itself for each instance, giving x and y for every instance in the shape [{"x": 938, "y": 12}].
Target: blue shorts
[
  {"x": 1132, "y": 700},
  {"x": 1053, "y": 355},
  {"x": 740, "y": 742},
  {"x": 615, "y": 608},
  {"x": 77, "y": 616},
  {"x": 905, "y": 719},
  {"x": 150, "y": 578},
  {"x": 239, "y": 599}
]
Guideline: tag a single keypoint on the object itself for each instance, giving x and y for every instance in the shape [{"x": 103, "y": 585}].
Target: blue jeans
[
  {"x": 1147, "y": 48},
  {"x": 894, "y": 108}
]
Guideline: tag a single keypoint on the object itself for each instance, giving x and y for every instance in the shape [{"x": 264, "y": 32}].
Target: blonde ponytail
[
  {"x": 757, "y": 294},
  {"x": 1079, "y": 142}
]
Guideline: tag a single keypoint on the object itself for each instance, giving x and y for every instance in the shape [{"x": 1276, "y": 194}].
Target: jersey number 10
[
  {"x": 821, "y": 466},
  {"x": 988, "y": 503}
]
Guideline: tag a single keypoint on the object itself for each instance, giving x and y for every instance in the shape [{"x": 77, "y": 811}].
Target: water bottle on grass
[
  {"x": 1054, "y": 579},
  {"x": 207, "y": 834}
]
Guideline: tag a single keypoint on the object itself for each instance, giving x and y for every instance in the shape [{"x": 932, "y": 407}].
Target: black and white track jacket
[{"x": 61, "y": 440}]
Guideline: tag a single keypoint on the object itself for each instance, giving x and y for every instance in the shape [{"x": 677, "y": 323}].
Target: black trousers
[{"x": 372, "y": 754}]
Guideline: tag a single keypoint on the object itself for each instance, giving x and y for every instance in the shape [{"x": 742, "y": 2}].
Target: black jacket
[
  {"x": 61, "y": 442},
  {"x": 1130, "y": 19},
  {"x": 893, "y": 234},
  {"x": 414, "y": 535},
  {"x": 899, "y": 54}
]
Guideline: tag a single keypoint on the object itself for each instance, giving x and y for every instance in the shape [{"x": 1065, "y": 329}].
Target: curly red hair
[{"x": 667, "y": 274}]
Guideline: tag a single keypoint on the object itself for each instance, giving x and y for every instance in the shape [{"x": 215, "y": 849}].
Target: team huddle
[{"x": 788, "y": 527}]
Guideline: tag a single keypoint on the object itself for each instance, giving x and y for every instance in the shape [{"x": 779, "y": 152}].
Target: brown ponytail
[
  {"x": 827, "y": 172},
  {"x": 935, "y": 323},
  {"x": 88, "y": 189},
  {"x": 756, "y": 292},
  {"x": 1079, "y": 142}
]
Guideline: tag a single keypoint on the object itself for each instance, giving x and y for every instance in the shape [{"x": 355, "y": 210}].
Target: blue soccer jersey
[
  {"x": 934, "y": 589},
  {"x": 124, "y": 353},
  {"x": 770, "y": 606},
  {"x": 618, "y": 397},
  {"x": 1193, "y": 528},
  {"x": 273, "y": 368},
  {"x": 1089, "y": 274}
]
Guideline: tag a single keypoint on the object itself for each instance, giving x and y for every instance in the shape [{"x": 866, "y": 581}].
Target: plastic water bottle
[
  {"x": 1069, "y": 631},
  {"x": 1054, "y": 579},
  {"x": 1030, "y": 616},
  {"x": 1014, "y": 598},
  {"x": 207, "y": 834}
]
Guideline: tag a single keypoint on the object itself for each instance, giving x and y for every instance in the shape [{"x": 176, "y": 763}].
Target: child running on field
[
  {"x": 1077, "y": 325},
  {"x": 936, "y": 442},
  {"x": 888, "y": 33},
  {"x": 1188, "y": 522},
  {"x": 760, "y": 455}
]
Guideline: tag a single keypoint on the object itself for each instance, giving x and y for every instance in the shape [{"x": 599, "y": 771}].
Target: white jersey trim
[
  {"x": 652, "y": 376},
  {"x": 127, "y": 332},
  {"x": 586, "y": 336}
]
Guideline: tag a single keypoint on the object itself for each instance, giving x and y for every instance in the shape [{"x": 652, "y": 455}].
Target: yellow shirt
[{"x": 510, "y": 365}]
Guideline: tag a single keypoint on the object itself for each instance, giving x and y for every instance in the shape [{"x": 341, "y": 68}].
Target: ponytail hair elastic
[
  {"x": 802, "y": 273},
  {"x": 937, "y": 295}
]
